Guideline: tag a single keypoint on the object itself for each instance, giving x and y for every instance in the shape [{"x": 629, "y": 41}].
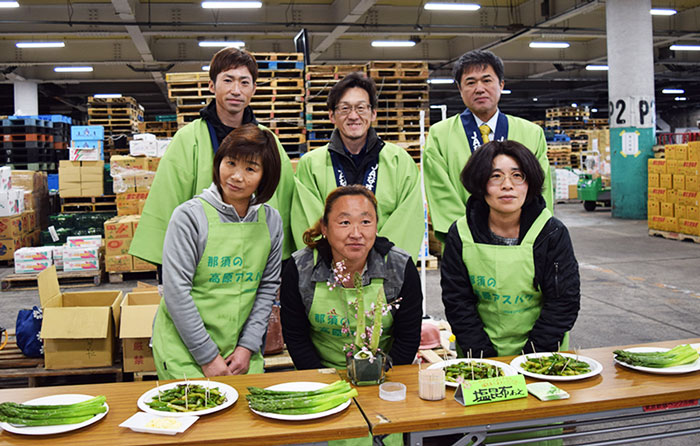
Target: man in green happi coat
[
  {"x": 479, "y": 77},
  {"x": 186, "y": 168},
  {"x": 357, "y": 155}
]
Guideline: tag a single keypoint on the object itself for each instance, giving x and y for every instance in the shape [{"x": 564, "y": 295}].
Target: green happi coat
[
  {"x": 399, "y": 198},
  {"x": 447, "y": 152},
  {"x": 184, "y": 171}
]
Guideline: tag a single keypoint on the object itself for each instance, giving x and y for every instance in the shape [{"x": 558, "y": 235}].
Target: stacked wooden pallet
[
  {"x": 559, "y": 155},
  {"x": 117, "y": 115},
  {"x": 278, "y": 102},
  {"x": 319, "y": 81},
  {"x": 162, "y": 129},
  {"x": 402, "y": 89}
]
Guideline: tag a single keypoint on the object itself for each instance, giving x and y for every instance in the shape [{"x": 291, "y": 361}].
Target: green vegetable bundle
[
  {"x": 51, "y": 415},
  {"x": 198, "y": 398},
  {"x": 556, "y": 365},
  {"x": 300, "y": 402},
  {"x": 472, "y": 370},
  {"x": 678, "y": 355}
]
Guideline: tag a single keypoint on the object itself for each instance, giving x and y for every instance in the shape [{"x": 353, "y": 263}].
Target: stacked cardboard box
[
  {"x": 82, "y": 253},
  {"x": 133, "y": 177},
  {"x": 138, "y": 309},
  {"x": 674, "y": 190},
  {"x": 119, "y": 232},
  {"x": 33, "y": 260},
  {"x": 36, "y": 193},
  {"x": 81, "y": 178},
  {"x": 17, "y": 231},
  {"x": 86, "y": 143}
]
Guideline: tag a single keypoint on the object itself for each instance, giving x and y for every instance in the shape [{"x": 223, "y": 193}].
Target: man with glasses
[
  {"x": 479, "y": 77},
  {"x": 356, "y": 155}
]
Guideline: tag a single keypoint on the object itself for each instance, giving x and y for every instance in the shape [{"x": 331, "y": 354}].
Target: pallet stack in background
[
  {"x": 120, "y": 118},
  {"x": 402, "y": 90},
  {"x": 19, "y": 224},
  {"x": 34, "y": 142},
  {"x": 319, "y": 80},
  {"x": 278, "y": 102},
  {"x": 573, "y": 136},
  {"x": 674, "y": 192},
  {"x": 163, "y": 127}
]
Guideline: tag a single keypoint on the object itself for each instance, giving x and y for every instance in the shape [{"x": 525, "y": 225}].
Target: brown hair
[
  {"x": 250, "y": 142},
  {"x": 231, "y": 57},
  {"x": 311, "y": 235}
]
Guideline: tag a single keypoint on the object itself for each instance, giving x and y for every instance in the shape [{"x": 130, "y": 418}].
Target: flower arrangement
[{"x": 366, "y": 336}]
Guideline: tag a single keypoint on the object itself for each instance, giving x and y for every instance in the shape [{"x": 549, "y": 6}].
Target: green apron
[
  {"x": 501, "y": 276},
  {"x": 509, "y": 305},
  {"x": 329, "y": 311},
  {"x": 224, "y": 287}
]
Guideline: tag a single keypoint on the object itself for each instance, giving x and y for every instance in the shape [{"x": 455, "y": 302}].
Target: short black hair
[
  {"x": 250, "y": 142},
  {"x": 476, "y": 173},
  {"x": 480, "y": 59},
  {"x": 231, "y": 57},
  {"x": 352, "y": 80}
]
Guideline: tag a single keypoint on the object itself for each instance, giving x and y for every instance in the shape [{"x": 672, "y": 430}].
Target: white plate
[
  {"x": 230, "y": 392},
  {"x": 676, "y": 370},
  {"x": 594, "y": 365},
  {"x": 301, "y": 386},
  {"x": 507, "y": 370},
  {"x": 138, "y": 421},
  {"x": 49, "y": 430}
]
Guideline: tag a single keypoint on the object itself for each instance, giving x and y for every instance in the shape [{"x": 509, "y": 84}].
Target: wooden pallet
[
  {"x": 674, "y": 235},
  {"x": 66, "y": 279},
  {"x": 105, "y": 203},
  {"x": 121, "y": 276},
  {"x": 279, "y": 361},
  {"x": 431, "y": 263}
]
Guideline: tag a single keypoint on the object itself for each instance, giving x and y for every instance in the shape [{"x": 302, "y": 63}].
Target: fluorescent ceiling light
[
  {"x": 441, "y": 81},
  {"x": 40, "y": 44},
  {"x": 231, "y": 5},
  {"x": 107, "y": 95},
  {"x": 684, "y": 47},
  {"x": 222, "y": 43},
  {"x": 594, "y": 110},
  {"x": 438, "y": 106},
  {"x": 680, "y": 98},
  {"x": 72, "y": 69},
  {"x": 549, "y": 44},
  {"x": 205, "y": 67},
  {"x": 535, "y": 99},
  {"x": 439, "y": 6},
  {"x": 506, "y": 91},
  {"x": 9, "y": 4},
  {"x": 597, "y": 67},
  {"x": 662, "y": 11},
  {"x": 672, "y": 91},
  {"x": 393, "y": 43},
  {"x": 573, "y": 104}
]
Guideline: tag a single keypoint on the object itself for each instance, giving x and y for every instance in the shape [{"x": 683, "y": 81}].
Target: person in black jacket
[
  {"x": 315, "y": 318},
  {"x": 509, "y": 277}
]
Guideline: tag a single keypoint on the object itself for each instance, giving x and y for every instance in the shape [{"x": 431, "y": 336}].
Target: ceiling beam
[{"x": 351, "y": 16}]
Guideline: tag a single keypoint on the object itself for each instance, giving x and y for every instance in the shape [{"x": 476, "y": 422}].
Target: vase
[{"x": 366, "y": 371}]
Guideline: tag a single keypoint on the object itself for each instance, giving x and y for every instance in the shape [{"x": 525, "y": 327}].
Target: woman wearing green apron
[
  {"x": 317, "y": 322},
  {"x": 221, "y": 265},
  {"x": 509, "y": 278}
]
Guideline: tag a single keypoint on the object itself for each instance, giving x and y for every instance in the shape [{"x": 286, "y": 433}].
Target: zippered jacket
[{"x": 556, "y": 274}]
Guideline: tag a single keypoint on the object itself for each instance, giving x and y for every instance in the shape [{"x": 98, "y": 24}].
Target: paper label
[
  {"x": 491, "y": 390},
  {"x": 52, "y": 232}
]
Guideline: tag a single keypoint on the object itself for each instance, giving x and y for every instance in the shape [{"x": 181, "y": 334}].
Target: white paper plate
[
  {"x": 677, "y": 370},
  {"x": 230, "y": 392},
  {"x": 50, "y": 430},
  {"x": 507, "y": 370},
  {"x": 594, "y": 365},
  {"x": 138, "y": 421},
  {"x": 301, "y": 386}
]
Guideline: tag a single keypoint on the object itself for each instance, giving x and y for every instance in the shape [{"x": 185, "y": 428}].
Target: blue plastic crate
[
  {"x": 53, "y": 181},
  {"x": 87, "y": 132}
]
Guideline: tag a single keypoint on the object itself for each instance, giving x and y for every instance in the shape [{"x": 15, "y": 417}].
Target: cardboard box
[
  {"x": 692, "y": 183},
  {"x": 673, "y": 166},
  {"x": 656, "y": 165},
  {"x": 29, "y": 254},
  {"x": 667, "y": 209},
  {"x": 680, "y": 211},
  {"x": 657, "y": 194},
  {"x": 138, "y": 310},
  {"x": 653, "y": 208},
  {"x": 653, "y": 180},
  {"x": 11, "y": 227},
  {"x": 687, "y": 226},
  {"x": 573, "y": 191},
  {"x": 84, "y": 241},
  {"x": 78, "y": 327},
  {"x": 694, "y": 151},
  {"x": 5, "y": 178},
  {"x": 87, "y": 132},
  {"x": 81, "y": 259},
  {"x": 692, "y": 212},
  {"x": 9, "y": 203},
  {"x": 8, "y": 247},
  {"x": 117, "y": 246},
  {"x": 678, "y": 182},
  {"x": 688, "y": 198},
  {"x": 31, "y": 266},
  {"x": 153, "y": 162},
  {"x": 672, "y": 195},
  {"x": 119, "y": 163},
  {"x": 130, "y": 203},
  {"x": 118, "y": 263},
  {"x": 142, "y": 265},
  {"x": 119, "y": 228},
  {"x": 75, "y": 154},
  {"x": 666, "y": 181},
  {"x": 28, "y": 180},
  {"x": 689, "y": 168},
  {"x": 681, "y": 152}
]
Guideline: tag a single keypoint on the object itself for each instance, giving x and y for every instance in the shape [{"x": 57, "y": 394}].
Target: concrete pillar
[
  {"x": 632, "y": 107},
  {"x": 26, "y": 98}
]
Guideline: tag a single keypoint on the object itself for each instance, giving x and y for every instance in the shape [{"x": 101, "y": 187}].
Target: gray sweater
[{"x": 183, "y": 248}]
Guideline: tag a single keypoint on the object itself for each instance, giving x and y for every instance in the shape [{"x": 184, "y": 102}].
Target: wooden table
[
  {"x": 616, "y": 391},
  {"x": 235, "y": 425}
]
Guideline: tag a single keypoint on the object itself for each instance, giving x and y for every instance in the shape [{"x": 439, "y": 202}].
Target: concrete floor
[{"x": 634, "y": 288}]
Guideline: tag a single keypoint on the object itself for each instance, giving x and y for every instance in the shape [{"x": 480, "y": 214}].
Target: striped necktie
[{"x": 485, "y": 132}]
